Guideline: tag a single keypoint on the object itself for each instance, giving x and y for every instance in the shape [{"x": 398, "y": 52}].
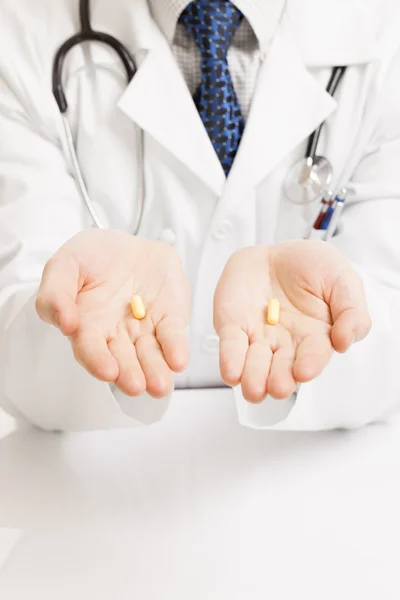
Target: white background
[{"x": 197, "y": 507}]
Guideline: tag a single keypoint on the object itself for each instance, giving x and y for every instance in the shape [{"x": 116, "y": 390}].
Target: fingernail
[
  {"x": 354, "y": 338},
  {"x": 56, "y": 319}
]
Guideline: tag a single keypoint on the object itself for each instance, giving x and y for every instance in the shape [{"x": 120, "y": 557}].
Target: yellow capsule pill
[
  {"x": 138, "y": 309},
  {"x": 273, "y": 312}
]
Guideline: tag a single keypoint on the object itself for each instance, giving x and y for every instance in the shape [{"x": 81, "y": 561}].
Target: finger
[
  {"x": 233, "y": 347},
  {"x": 172, "y": 336},
  {"x": 353, "y": 325},
  {"x": 351, "y": 320},
  {"x": 159, "y": 382},
  {"x": 56, "y": 300},
  {"x": 131, "y": 380},
  {"x": 91, "y": 351},
  {"x": 281, "y": 383},
  {"x": 312, "y": 356},
  {"x": 256, "y": 371}
]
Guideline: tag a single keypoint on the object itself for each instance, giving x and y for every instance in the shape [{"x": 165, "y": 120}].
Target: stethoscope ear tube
[
  {"x": 59, "y": 59},
  {"x": 84, "y": 14},
  {"x": 80, "y": 38},
  {"x": 87, "y": 34},
  {"x": 58, "y": 67},
  {"x": 336, "y": 76}
]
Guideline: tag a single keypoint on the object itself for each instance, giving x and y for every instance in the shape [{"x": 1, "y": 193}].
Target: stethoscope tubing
[
  {"x": 88, "y": 34},
  {"x": 76, "y": 40},
  {"x": 336, "y": 76}
]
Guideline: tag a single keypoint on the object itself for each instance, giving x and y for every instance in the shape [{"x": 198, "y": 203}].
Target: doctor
[{"x": 201, "y": 185}]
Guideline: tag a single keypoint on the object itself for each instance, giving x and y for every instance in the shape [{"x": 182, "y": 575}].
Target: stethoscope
[
  {"x": 308, "y": 180},
  {"x": 87, "y": 34}
]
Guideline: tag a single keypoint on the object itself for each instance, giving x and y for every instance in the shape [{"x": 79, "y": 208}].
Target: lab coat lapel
[
  {"x": 288, "y": 105},
  {"x": 159, "y": 101}
]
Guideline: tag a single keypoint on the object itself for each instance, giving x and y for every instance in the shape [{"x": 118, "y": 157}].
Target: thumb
[
  {"x": 56, "y": 300},
  {"x": 351, "y": 319}
]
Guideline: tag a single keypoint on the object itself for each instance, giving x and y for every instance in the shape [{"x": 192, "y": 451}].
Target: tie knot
[{"x": 212, "y": 24}]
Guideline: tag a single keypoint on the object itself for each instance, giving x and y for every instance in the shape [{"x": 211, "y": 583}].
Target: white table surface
[{"x": 199, "y": 508}]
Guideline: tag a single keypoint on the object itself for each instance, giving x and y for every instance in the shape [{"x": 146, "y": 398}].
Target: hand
[
  {"x": 85, "y": 291},
  {"x": 323, "y": 307}
]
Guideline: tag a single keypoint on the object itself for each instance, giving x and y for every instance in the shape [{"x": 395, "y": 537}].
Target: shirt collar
[{"x": 263, "y": 16}]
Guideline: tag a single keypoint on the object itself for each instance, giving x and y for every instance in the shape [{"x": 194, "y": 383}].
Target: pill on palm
[
  {"x": 273, "y": 311},
  {"x": 138, "y": 309}
]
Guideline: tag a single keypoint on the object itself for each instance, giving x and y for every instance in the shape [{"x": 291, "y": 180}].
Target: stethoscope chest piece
[{"x": 308, "y": 180}]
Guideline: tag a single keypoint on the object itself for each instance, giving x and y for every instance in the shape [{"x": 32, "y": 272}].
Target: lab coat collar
[
  {"x": 157, "y": 99},
  {"x": 263, "y": 16},
  {"x": 327, "y": 32},
  {"x": 159, "y": 102},
  {"x": 288, "y": 103}
]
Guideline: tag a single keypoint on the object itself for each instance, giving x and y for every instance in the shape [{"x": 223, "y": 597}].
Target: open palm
[
  {"x": 323, "y": 308},
  {"x": 86, "y": 289}
]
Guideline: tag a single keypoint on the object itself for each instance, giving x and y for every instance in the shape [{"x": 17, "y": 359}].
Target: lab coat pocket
[{"x": 316, "y": 234}]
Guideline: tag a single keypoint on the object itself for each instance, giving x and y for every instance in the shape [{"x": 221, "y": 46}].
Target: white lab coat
[{"x": 187, "y": 199}]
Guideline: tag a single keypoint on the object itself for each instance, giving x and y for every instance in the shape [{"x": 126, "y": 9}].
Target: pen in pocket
[
  {"x": 335, "y": 216},
  {"x": 325, "y": 204}
]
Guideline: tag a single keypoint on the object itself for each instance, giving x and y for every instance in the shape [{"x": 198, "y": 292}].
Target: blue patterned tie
[{"x": 213, "y": 24}]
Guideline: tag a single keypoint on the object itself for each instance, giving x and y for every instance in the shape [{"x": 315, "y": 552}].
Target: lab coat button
[
  {"x": 211, "y": 343},
  {"x": 223, "y": 230},
  {"x": 168, "y": 236}
]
